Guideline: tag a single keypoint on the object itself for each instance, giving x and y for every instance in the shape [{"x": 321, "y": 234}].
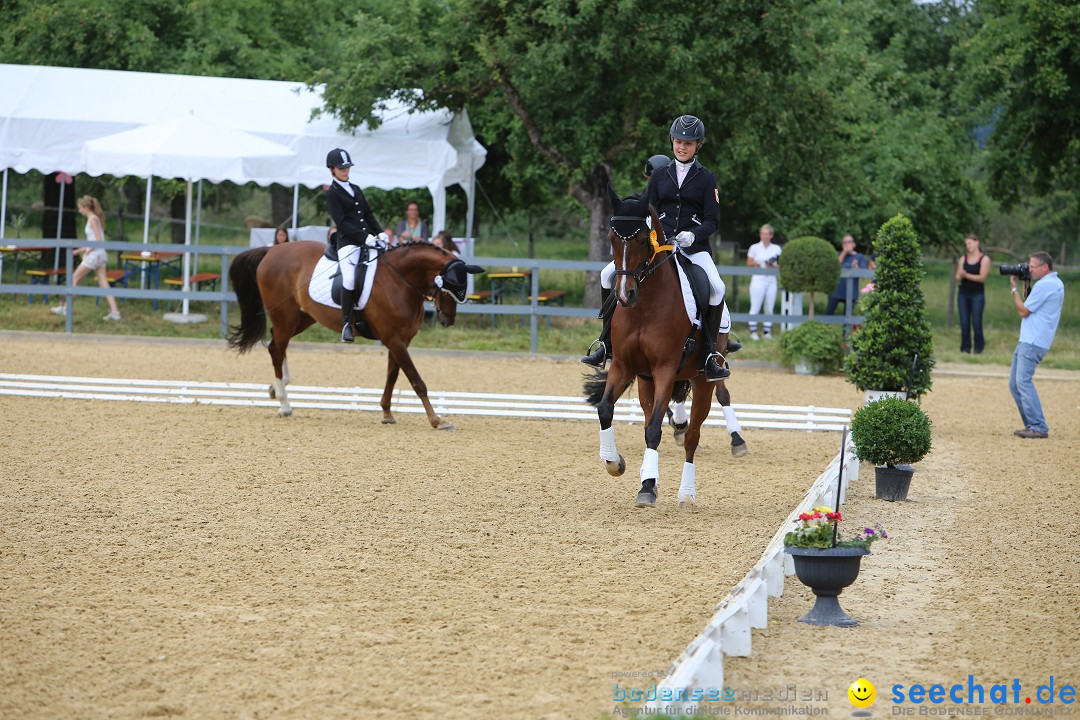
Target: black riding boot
[
  {"x": 602, "y": 354},
  {"x": 348, "y": 299},
  {"x": 711, "y": 368}
]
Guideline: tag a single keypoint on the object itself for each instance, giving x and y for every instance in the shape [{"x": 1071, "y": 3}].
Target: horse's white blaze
[
  {"x": 621, "y": 284},
  {"x": 650, "y": 465},
  {"x": 279, "y": 391},
  {"x": 687, "y": 487},
  {"x": 608, "y": 453}
]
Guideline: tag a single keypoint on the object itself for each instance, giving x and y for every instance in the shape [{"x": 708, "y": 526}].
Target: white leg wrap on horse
[
  {"x": 650, "y": 466},
  {"x": 687, "y": 488},
  {"x": 279, "y": 391},
  {"x": 731, "y": 421},
  {"x": 285, "y": 376},
  {"x": 678, "y": 412},
  {"x": 608, "y": 453}
]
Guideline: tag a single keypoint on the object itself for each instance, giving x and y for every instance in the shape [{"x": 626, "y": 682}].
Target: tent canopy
[{"x": 47, "y": 114}]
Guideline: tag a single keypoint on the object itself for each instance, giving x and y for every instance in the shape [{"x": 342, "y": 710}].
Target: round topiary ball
[
  {"x": 891, "y": 431},
  {"x": 809, "y": 264}
]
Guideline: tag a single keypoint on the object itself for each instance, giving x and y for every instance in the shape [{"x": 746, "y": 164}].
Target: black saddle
[{"x": 360, "y": 323}]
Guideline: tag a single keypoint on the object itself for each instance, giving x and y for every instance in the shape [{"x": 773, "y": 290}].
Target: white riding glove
[
  {"x": 384, "y": 239},
  {"x": 685, "y": 239},
  {"x": 372, "y": 241}
]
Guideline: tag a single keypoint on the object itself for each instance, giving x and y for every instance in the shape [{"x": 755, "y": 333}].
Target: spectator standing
[
  {"x": 971, "y": 272},
  {"x": 412, "y": 228},
  {"x": 1040, "y": 314},
  {"x": 765, "y": 254},
  {"x": 850, "y": 259},
  {"x": 95, "y": 259}
]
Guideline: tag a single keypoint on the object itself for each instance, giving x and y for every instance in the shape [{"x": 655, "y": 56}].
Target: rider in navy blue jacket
[{"x": 357, "y": 230}]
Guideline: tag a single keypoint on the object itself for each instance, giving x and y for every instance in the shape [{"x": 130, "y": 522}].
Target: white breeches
[
  {"x": 348, "y": 256},
  {"x": 704, "y": 261},
  {"x": 607, "y": 276},
  {"x": 762, "y": 295}
]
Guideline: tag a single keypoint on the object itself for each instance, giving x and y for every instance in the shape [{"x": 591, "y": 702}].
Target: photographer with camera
[
  {"x": 1040, "y": 313},
  {"x": 763, "y": 287}
]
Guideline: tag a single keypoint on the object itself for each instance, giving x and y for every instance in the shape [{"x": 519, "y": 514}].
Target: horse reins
[{"x": 646, "y": 268}]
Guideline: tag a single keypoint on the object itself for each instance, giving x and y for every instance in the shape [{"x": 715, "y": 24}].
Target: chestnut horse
[
  {"x": 277, "y": 278},
  {"x": 649, "y": 332}
]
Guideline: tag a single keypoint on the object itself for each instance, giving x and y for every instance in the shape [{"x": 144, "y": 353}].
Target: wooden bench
[
  {"x": 549, "y": 297},
  {"x": 483, "y": 296},
  {"x": 42, "y": 277},
  {"x": 197, "y": 280}
]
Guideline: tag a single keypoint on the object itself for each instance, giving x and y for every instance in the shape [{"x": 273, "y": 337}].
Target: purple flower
[{"x": 868, "y": 531}]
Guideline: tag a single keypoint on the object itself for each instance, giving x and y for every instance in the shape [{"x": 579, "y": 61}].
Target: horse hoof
[
  {"x": 284, "y": 413},
  {"x": 615, "y": 469},
  {"x": 680, "y": 432},
  {"x": 389, "y": 421},
  {"x": 738, "y": 445},
  {"x": 646, "y": 497},
  {"x": 687, "y": 503},
  {"x": 447, "y": 426}
]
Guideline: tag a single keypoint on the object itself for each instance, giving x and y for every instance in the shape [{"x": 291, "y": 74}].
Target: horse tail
[
  {"x": 680, "y": 391},
  {"x": 595, "y": 383},
  {"x": 252, "y": 325}
]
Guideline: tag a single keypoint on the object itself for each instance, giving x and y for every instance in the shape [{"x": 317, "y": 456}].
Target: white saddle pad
[
  {"x": 688, "y": 297},
  {"x": 319, "y": 287}
]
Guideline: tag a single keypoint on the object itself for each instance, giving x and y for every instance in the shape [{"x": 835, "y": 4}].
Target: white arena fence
[
  {"x": 553, "y": 407},
  {"x": 700, "y": 667}
]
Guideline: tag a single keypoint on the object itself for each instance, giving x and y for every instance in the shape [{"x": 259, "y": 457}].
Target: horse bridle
[
  {"x": 646, "y": 268},
  {"x": 456, "y": 293}
]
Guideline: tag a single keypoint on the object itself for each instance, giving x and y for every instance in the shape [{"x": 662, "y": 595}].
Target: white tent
[
  {"x": 187, "y": 147},
  {"x": 47, "y": 114}
]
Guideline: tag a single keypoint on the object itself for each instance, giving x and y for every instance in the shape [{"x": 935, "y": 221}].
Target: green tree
[
  {"x": 809, "y": 264},
  {"x": 1022, "y": 77},
  {"x": 578, "y": 94}
]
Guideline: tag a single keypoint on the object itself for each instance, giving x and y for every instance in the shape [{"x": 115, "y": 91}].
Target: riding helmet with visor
[
  {"x": 688, "y": 127},
  {"x": 338, "y": 158},
  {"x": 656, "y": 162}
]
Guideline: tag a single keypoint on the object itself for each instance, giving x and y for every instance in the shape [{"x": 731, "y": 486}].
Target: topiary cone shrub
[
  {"x": 809, "y": 264},
  {"x": 891, "y": 431},
  {"x": 895, "y": 328}
]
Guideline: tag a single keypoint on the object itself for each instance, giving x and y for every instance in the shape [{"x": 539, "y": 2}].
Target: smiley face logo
[{"x": 862, "y": 693}]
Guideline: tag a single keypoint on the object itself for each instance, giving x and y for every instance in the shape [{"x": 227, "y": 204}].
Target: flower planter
[
  {"x": 892, "y": 483},
  {"x": 827, "y": 571},
  {"x": 872, "y": 395},
  {"x": 807, "y": 367}
]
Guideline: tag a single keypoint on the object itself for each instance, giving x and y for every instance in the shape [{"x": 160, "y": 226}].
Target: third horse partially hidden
[{"x": 654, "y": 342}]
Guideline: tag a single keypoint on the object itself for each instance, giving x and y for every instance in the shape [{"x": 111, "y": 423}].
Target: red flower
[
  {"x": 834, "y": 516},
  {"x": 816, "y": 515},
  {"x": 804, "y": 517}
]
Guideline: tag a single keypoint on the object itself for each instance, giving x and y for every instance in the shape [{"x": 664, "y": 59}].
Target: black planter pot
[
  {"x": 827, "y": 571},
  {"x": 892, "y": 483}
]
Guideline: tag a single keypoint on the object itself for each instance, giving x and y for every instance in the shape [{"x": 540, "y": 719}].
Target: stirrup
[
  {"x": 347, "y": 333},
  {"x": 596, "y": 358},
  {"x": 724, "y": 373}
]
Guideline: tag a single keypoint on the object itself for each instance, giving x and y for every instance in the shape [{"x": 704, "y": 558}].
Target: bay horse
[
  {"x": 650, "y": 336},
  {"x": 277, "y": 278}
]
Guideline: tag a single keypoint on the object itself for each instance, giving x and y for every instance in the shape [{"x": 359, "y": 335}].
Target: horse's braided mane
[{"x": 411, "y": 243}]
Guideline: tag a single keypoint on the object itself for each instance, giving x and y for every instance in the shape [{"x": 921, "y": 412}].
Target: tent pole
[
  {"x": 295, "y": 207},
  {"x": 198, "y": 221},
  {"x": 470, "y": 199},
  {"x": 59, "y": 221},
  {"x": 146, "y": 227},
  {"x": 3, "y": 210},
  {"x": 187, "y": 245}
]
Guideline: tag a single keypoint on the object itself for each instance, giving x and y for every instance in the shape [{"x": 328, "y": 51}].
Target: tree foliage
[
  {"x": 891, "y": 431},
  {"x": 809, "y": 264}
]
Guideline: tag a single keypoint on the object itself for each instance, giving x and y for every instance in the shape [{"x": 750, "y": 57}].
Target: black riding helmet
[
  {"x": 656, "y": 162},
  {"x": 687, "y": 127},
  {"x": 338, "y": 158}
]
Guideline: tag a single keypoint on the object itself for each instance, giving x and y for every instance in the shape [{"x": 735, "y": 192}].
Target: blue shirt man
[
  {"x": 1040, "y": 314},
  {"x": 849, "y": 258}
]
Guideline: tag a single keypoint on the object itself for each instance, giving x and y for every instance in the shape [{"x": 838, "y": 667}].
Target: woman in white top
[
  {"x": 762, "y": 287},
  {"x": 94, "y": 258}
]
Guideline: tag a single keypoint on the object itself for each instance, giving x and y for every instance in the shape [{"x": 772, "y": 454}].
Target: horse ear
[
  {"x": 474, "y": 269},
  {"x": 613, "y": 197},
  {"x": 657, "y": 225}
]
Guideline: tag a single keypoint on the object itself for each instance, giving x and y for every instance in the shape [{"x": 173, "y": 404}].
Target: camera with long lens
[{"x": 1022, "y": 271}]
